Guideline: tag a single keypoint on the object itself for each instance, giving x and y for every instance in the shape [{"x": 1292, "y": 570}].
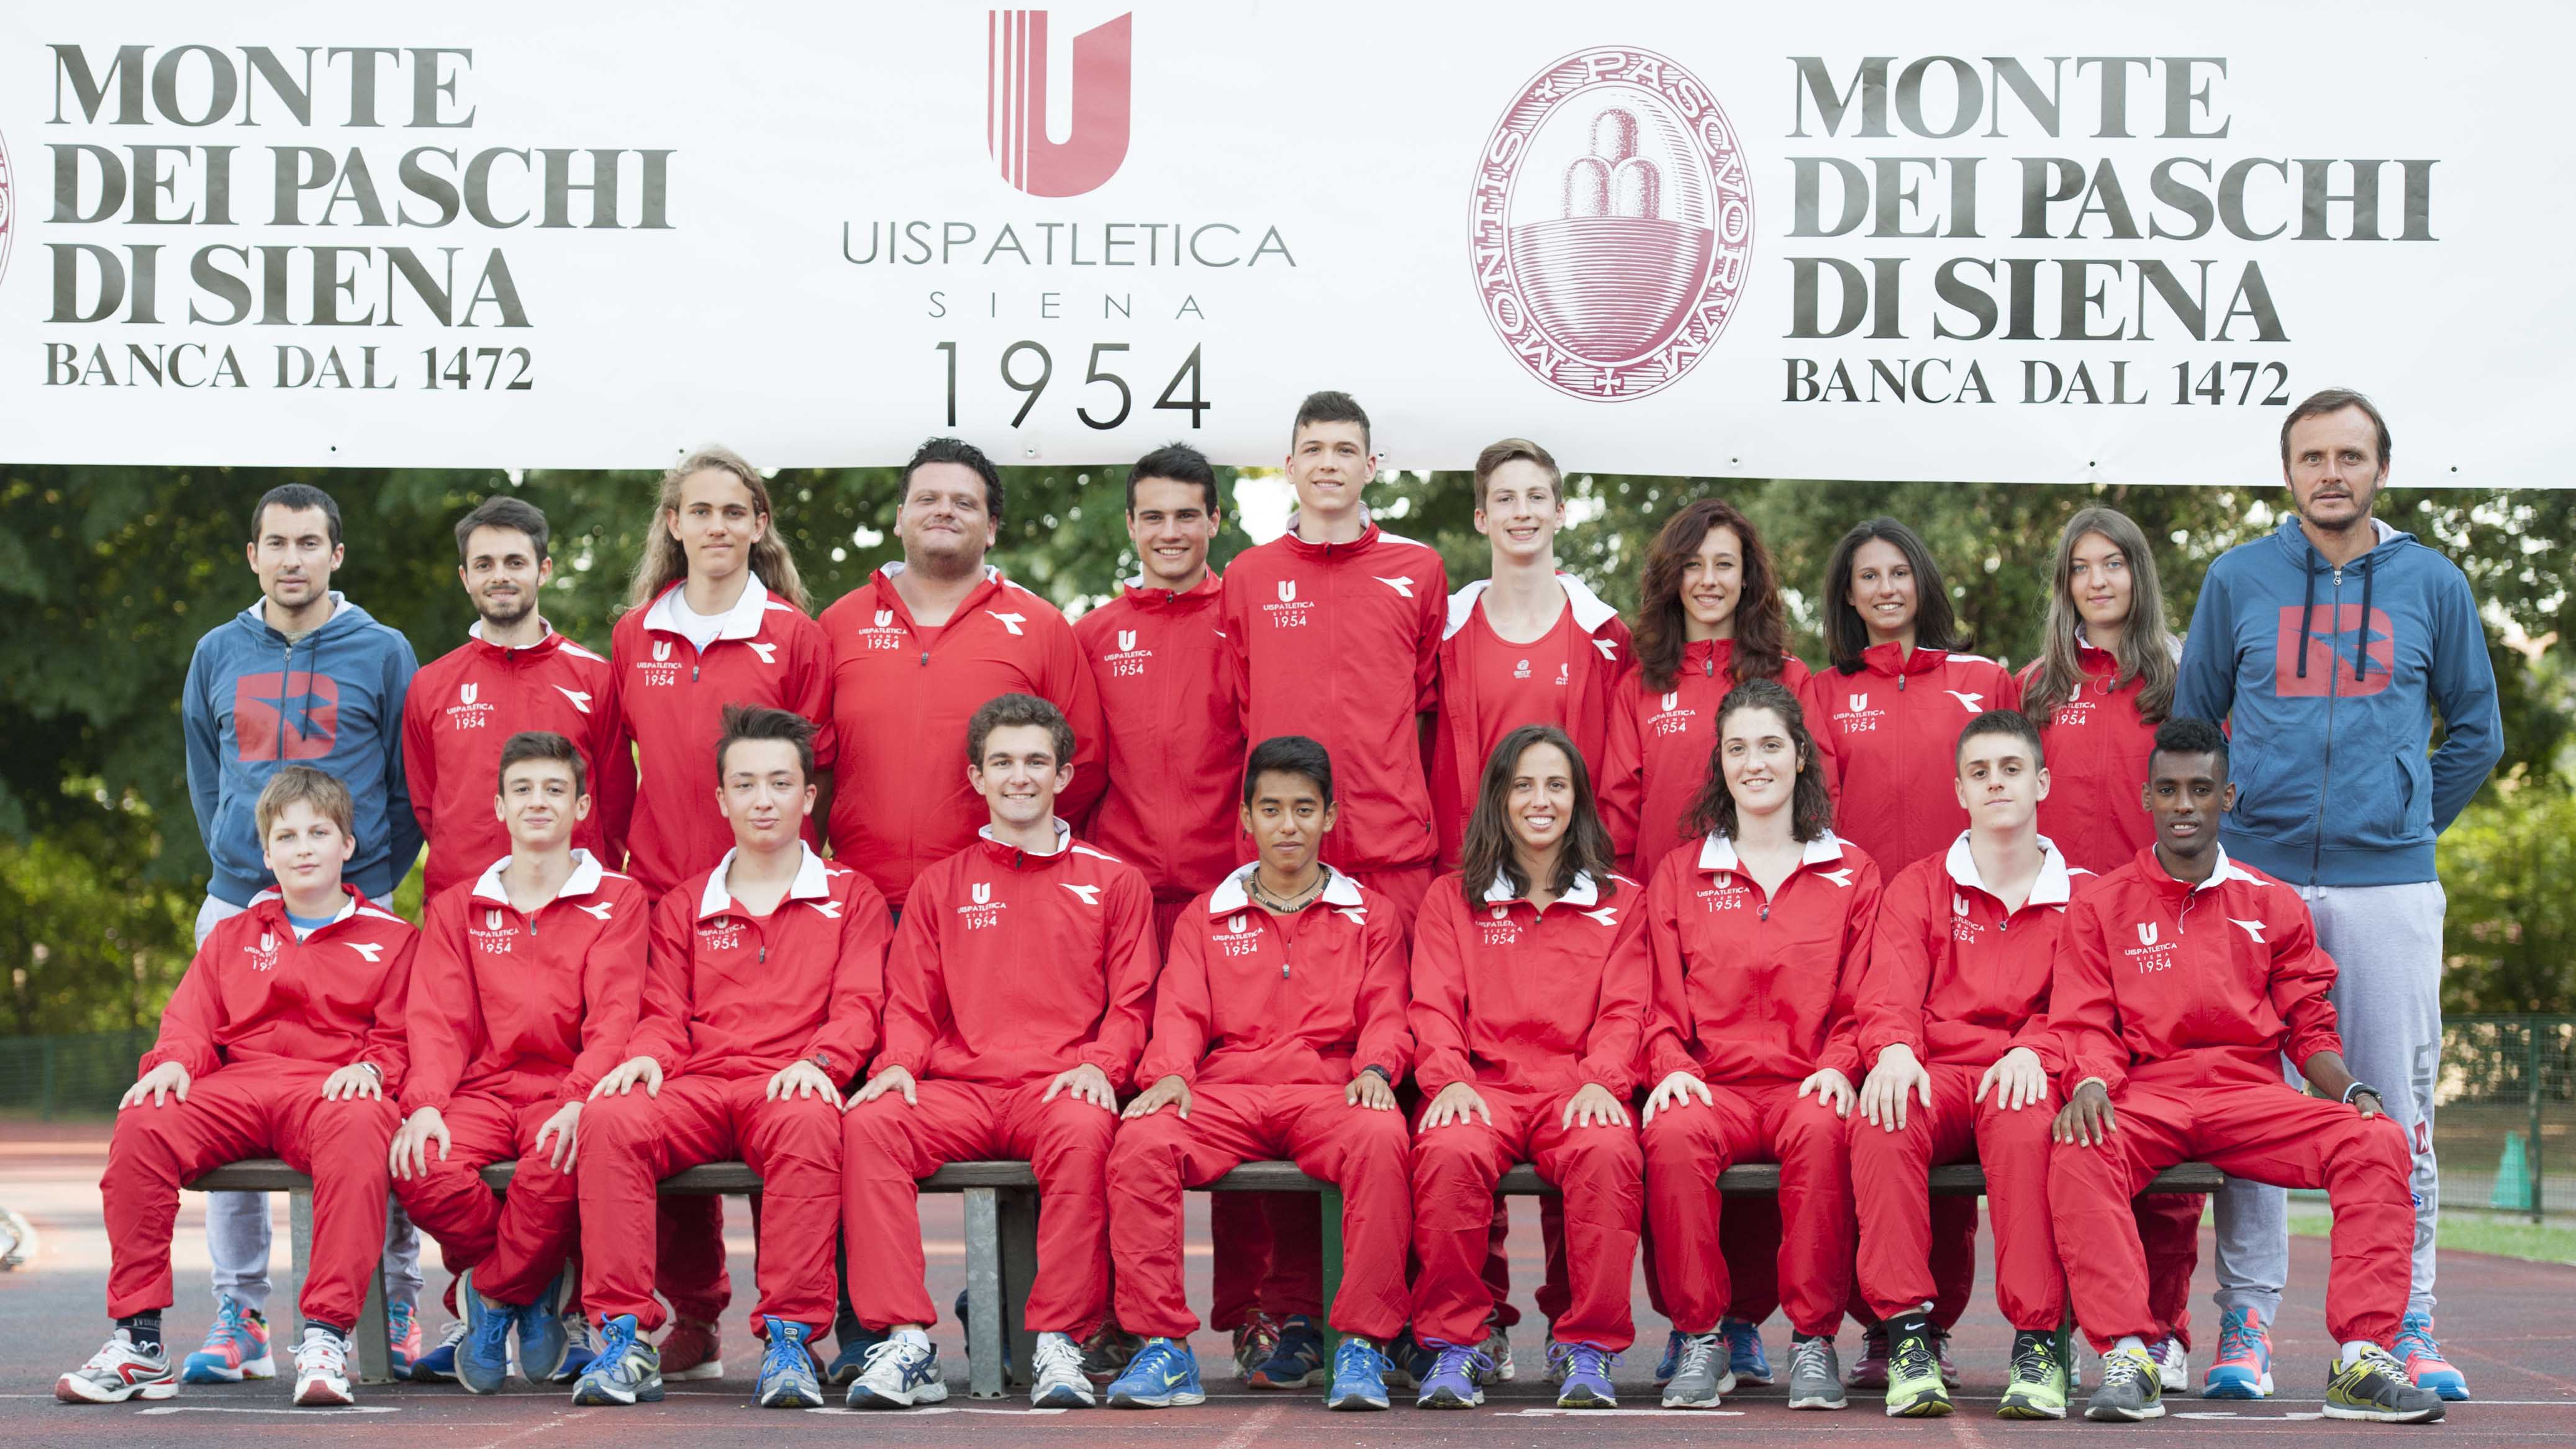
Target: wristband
[
  {"x": 2357, "y": 1088},
  {"x": 371, "y": 1066},
  {"x": 1383, "y": 1074}
]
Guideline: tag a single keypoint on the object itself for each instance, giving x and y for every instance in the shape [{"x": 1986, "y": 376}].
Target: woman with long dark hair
[
  {"x": 1709, "y": 619},
  {"x": 1759, "y": 935},
  {"x": 1530, "y": 991}
]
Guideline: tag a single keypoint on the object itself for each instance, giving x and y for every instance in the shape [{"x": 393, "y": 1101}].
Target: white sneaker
[
  {"x": 898, "y": 1374},
  {"x": 322, "y": 1369},
  {"x": 1061, "y": 1383},
  {"x": 2173, "y": 1364},
  {"x": 1498, "y": 1347},
  {"x": 119, "y": 1372}
]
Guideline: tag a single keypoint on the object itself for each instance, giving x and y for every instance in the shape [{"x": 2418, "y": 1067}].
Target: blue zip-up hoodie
[
  {"x": 333, "y": 700},
  {"x": 2331, "y": 676}
]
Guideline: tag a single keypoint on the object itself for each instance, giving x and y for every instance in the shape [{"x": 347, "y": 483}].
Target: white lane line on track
[
  {"x": 1249, "y": 1432},
  {"x": 314, "y": 1413},
  {"x": 1661, "y": 1413},
  {"x": 896, "y": 1416},
  {"x": 556, "y": 1422}
]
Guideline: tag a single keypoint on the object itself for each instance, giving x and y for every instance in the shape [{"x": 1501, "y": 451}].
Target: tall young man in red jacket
[
  {"x": 1174, "y": 749},
  {"x": 2183, "y": 980},
  {"x": 1954, "y": 1028},
  {"x": 523, "y": 998},
  {"x": 1333, "y": 632},
  {"x": 512, "y": 673},
  {"x": 1015, "y": 1007},
  {"x": 284, "y": 1039},
  {"x": 759, "y": 1005},
  {"x": 917, "y": 649},
  {"x": 1279, "y": 1031}
]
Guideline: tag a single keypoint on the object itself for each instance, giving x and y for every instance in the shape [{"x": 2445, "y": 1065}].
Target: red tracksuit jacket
[
  {"x": 1012, "y": 967},
  {"x": 464, "y": 704},
  {"x": 1895, "y": 729},
  {"x": 1578, "y": 696},
  {"x": 902, "y": 693},
  {"x": 526, "y": 1007},
  {"x": 255, "y": 993},
  {"x": 1544, "y": 1001},
  {"x": 1659, "y": 742},
  {"x": 1755, "y": 990},
  {"x": 1341, "y": 642},
  {"x": 2161, "y": 983},
  {"x": 2097, "y": 766},
  {"x": 671, "y": 699},
  {"x": 1175, "y": 743},
  {"x": 1310, "y": 998},
  {"x": 733, "y": 995},
  {"x": 1953, "y": 976}
]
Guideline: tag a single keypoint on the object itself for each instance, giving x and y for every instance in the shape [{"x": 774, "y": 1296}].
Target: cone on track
[{"x": 2513, "y": 1178}]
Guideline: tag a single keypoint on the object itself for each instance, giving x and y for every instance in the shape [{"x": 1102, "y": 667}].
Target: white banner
[{"x": 2018, "y": 241}]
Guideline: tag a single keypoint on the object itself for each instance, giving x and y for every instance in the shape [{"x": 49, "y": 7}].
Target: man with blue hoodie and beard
[
  {"x": 2329, "y": 646},
  {"x": 301, "y": 677}
]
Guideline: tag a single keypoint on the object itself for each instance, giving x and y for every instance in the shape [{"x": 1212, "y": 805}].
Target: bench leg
[
  {"x": 1017, "y": 1212},
  {"x": 1330, "y": 1206},
  {"x": 983, "y": 1293}
]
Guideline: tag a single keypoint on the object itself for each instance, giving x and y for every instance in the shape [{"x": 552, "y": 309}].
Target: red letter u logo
[{"x": 1015, "y": 104}]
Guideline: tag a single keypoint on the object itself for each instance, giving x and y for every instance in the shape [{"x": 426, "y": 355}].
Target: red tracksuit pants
[
  {"x": 631, "y": 1141},
  {"x": 1598, "y": 1168},
  {"x": 1359, "y": 1150},
  {"x": 2265, "y": 1132},
  {"x": 890, "y": 1144},
  {"x": 514, "y": 1244},
  {"x": 1688, "y": 1146},
  {"x": 1267, "y": 1251},
  {"x": 689, "y": 1256},
  {"x": 263, "y": 1108},
  {"x": 1891, "y": 1189}
]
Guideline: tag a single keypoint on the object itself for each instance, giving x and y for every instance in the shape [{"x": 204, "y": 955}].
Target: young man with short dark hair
[
  {"x": 1333, "y": 632},
  {"x": 1015, "y": 1007},
  {"x": 2182, "y": 980},
  {"x": 301, "y": 677},
  {"x": 285, "y": 1039},
  {"x": 512, "y": 673},
  {"x": 1954, "y": 1025},
  {"x": 760, "y": 1004},
  {"x": 524, "y": 997},
  {"x": 1279, "y": 1031}
]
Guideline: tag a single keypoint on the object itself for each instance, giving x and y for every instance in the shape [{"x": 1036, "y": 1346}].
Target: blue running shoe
[
  {"x": 627, "y": 1371},
  {"x": 236, "y": 1349},
  {"x": 2425, "y": 1365},
  {"x": 483, "y": 1355},
  {"x": 1671, "y": 1362},
  {"x": 1456, "y": 1380},
  {"x": 402, "y": 1339},
  {"x": 787, "y": 1379},
  {"x": 438, "y": 1366},
  {"x": 542, "y": 1340},
  {"x": 581, "y": 1348},
  {"x": 1163, "y": 1374},
  {"x": 1585, "y": 1379},
  {"x": 1744, "y": 1353},
  {"x": 1298, "y": 1361},
  {"x": 2243, "y": 1368},
  {"x": 855, "y": 1339},
  {"x": 897, "y": 1375},
  {"x": 1359, "y": 1375},
  {"x": 1408, "y": 1363}
]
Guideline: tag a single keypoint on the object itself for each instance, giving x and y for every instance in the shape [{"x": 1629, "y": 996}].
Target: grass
[{"x": 2475, "y": 1232}]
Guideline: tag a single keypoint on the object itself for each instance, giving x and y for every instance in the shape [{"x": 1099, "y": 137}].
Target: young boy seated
[
  {"x": 2182, "y": 981},
  {"x": 284, "y": 1039},
  {"x": 1279, "y": 1031},
  {"x": 1014, "y": 1010},
  {"x": 759, "y": 1003},
  {"x": 523, "y": 998}
]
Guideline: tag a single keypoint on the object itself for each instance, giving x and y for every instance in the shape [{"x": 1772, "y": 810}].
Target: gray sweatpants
[
  {"x": 2387, "y": 945},
  {"x": 237, "y": 1228}
]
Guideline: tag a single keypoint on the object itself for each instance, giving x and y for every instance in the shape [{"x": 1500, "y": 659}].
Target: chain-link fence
[{"x": 2506, "y": 1097}]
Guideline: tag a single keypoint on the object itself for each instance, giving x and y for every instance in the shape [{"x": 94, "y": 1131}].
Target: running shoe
[
  {"x": 1254, "y": 1340},
  {"x": 1583, "y": 1376},
  {"x": 543, "y": 1343},
  {"x": 236, "y": 1349},
  {"x": 1060, "y": 1382},
  {"x": 855, "y": 1341},
  {"x": 1670, "y": 1363},
  {"x": 118, "y": 1372},
  {"x": 581, "y": 1348},
  {"x": 2425, "y": 1366},
  {"x": 2243, "y": 1368},
  {"x": 899, "y": 1374},
  {"x": 1744, "y": 1356},
  {"x": 2374, "y": 1387},
  {"x": 691, "y": 1351},
  {"x": 2131, "y": 1388},
  {"x": 1941, "y": 1356},
  {"x": 2036, "y": 1388},
  {"x": 627, "y": 1371},
  {"x": 402, "y": 1339},
  {"x": 322, "y": 1369},
  {"x": 438, "y": 1366},
  {"x": 483, "y": 1359},
  {"x": 1915, "y": 1389},
  {"x": 1296, "y": 1363},
  {"x": 1815, "y": 1379},
  {"x": 1700, "y": 1377},
  {"x": 1498, "y": 1347},
  {"x": 787, "y": 1379},
  {"x": 1409, "y": 1362},
  {"x": 1106, "y": 1354},
  {"x": 1359, "y": 1376},
  {"x": 1869, "y": 1371},
  {"x": 1164, "y": 1374},
  {"x": 2173, "y": 1364},
  {"x": 1456, "y": 1379}
]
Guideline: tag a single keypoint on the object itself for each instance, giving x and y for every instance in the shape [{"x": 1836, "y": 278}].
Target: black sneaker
[{"x": 2374, "y": 1387}]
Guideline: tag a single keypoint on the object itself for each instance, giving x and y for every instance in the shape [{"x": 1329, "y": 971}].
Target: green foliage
[
  {"x": 111, "y": 575},
  {"x": 2511, "y": 929}
]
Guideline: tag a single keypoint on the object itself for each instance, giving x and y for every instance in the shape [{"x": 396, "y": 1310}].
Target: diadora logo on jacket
[
  {"x": 1856, "y": 717},
  {"x": 1403, "y": 586},
  {"x": 981, "y": 910},
  {"x": 1288, "y": 613},
  {"x": 578, "y": 698},
  {"x": 2151, "y": 954},
  {"x": 1011, "y": 622},
  {"x": 1088, "y": 894},
  {"x": 1671, "y": 719},
  {"x": 1016, "y": 80},
  {"x": 263, "y": 957},
  {"x": 372, "y": 951},
  {"x": 768, "y": 652},
  {"x": 1972, "y": 703}
]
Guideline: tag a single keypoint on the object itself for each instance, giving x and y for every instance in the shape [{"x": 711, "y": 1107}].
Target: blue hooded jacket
[
  {"x": 333, "y": 699},
  {"x": 2330, "y": 677}
]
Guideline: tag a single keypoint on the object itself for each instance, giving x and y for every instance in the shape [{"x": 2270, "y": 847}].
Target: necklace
[{"x": 1289, "y": 905}]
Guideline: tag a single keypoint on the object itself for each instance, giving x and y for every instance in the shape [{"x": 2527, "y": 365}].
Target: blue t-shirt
[{"x": 307, "y": 925}]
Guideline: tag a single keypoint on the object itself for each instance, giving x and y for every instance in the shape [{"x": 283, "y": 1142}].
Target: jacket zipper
[{"x": 2325, "y": 770}]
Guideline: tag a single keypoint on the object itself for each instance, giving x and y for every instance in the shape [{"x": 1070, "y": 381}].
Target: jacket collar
[
  {"x": 1887, "y": 659},
  {"x": 272, "y": 904},
  {"x": 1230, "y": 894},
  {"x": 543, "y": 647},
  {"x": 1717, "y": 853},
  {"x": 1020, "y": 858},
  {"x": 1590, "y": 613},
  {"x": 1368, "y": 538},
  {"x": 812, "y": 883},
  {"x": 2165, "y": 882},
  {"x": 1152, "y": 596},
  {"x": 742, "y": 621},
  {"x": 587, "y": 872},
  {"x": 1582, "y": 893},
  {"x": 2054, "y": 887}
]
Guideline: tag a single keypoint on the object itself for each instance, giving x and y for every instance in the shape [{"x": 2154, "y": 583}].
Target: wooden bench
[{"x": 1002, "y": 1230}]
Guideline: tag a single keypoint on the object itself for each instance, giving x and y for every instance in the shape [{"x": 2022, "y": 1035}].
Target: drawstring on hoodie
[
  {"x": 2361, "y": 640},
  {"x": 2307, "y": 612}
]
